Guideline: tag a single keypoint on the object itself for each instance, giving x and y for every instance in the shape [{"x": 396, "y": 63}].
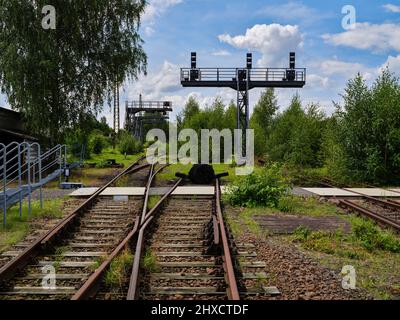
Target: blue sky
[{"x": 222, "y": 31}]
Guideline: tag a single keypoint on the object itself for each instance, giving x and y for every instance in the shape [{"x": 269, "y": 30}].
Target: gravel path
[
  {"x": 51, "y": 193},
  {"x": 299, "y": 277}
]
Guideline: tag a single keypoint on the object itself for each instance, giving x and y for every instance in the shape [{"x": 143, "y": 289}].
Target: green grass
[
  {"x": 149, "y": 261},
  {"x": 303, "y": 206},
  {"x": 111, "y": 153},
  {"x": 373, "y": 252},
  {"x": 168, "y": 173},
  {"x": 119, "y": 269},
  {"x": 18, "y": 227},
  {"x": 153, "y": 201},
  {"x": 307, "y": 206}
]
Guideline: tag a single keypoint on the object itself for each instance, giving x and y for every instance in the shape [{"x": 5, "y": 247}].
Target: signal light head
[
  {"x": 249, "y": 61},
  {"x": 292, "y": 60},
  {"x": 193, "y": 59}
]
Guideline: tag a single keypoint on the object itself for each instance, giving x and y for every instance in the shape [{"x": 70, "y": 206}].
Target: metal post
[
  {"x": 29, "y": 179},
  {"x": 4, "y": 189},
  {"x": 60, "y": 160},
  {"x": 20, "y": 179},
  {"x": 40, "y": 176}
]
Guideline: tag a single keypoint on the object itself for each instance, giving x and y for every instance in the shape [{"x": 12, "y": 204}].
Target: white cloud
[
  {"x": 348, "y": 69},
  {"x": 148, "y": 31},
  {"x": 376, "y": 37},
  {"x": 221, "y": 53},
  {"x": 393, "y": 63},
  {"x": 316, "y": 81},
  {"x": 154, "y": 85},
  {"x": 274, "y": 41},
  {"x": 156, "y": 8},
  {"x": 392, "y": 8}
]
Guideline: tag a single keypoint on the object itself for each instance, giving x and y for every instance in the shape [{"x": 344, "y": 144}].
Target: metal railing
[
  {"x": 149, "y": 104},
  {"x": 230, "y": 74},
  {"x": 24, "y": 168}
]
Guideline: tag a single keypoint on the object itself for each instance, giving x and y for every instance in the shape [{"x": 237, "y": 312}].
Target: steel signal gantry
[
  {"x": 138, "y": 113},
  {"x": 242, "y": 80}
]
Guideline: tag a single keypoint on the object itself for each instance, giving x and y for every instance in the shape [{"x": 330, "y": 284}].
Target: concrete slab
[
  {"x": 331, "y": 192},
  {"x": 301, "y": 192},
  {"x": 123, "y": 191},
  {"x": 374, "y": 192},
  {"x": 83, "y": 192},
  {"x": 86, "y": 192},
  {"x": 194, "y": 190}
]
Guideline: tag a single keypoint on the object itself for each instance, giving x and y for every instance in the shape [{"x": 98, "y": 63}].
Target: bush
[
  {"x": 128, "y": 144},
  {"x": 373, "y": 238},
  {"x": 97, "y": 143},
  {"x": 264, "y": 188}
]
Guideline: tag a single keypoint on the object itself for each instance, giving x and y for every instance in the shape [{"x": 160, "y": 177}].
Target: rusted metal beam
[
  {"x": 133, "y": 291},
  {"x": 375, "y": 216},
  {"x": 9, "y": 269},
  {"x": 232, "y": 289}
]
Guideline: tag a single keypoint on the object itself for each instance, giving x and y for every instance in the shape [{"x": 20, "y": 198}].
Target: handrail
[
  {"x": 7, "y": 271},
  {"x": 23, "y": 162},
  {"x": 38, "y": 161}
]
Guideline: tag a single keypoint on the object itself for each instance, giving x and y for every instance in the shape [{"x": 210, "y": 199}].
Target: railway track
[
  {"x": 188, "y": 254},
  {"x": 72, "y": 251},
  {"x": 385, "y": 212},
  {"x": 191, "y": 252}
]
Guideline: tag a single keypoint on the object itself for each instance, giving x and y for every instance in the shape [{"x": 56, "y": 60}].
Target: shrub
[
  {"x": 373, "y": 238},
  {"x": 128, "y": 144},
  {"x": 263, "y": 188},
  {"x": 97, "y": 143}
]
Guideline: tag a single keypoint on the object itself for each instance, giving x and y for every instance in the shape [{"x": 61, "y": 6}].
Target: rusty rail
[
  {"x": 232, "y": 289},
  {"x": 377, "y": 217},
  {"x": 92, "y": 284},
  {"x": 385, "y": 203},
  {"x": 9, "y": 269},
  {"x": 133, "y": 291}
]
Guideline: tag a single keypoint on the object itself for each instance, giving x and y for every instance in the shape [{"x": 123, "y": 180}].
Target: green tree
[
  {"x": 56, "y": 77},
  {"x": 127, "y": 144},
  {"x": 191, "y": 109},
  {"x": 369, "y": 129},
  {"x": 262, "y": 118},
  {"x": 296, "y": 135},
  {"x": 231, "y": 116}
]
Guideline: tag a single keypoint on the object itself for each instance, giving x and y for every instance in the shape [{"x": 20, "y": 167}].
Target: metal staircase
[{"x": 24, "y": 168}]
